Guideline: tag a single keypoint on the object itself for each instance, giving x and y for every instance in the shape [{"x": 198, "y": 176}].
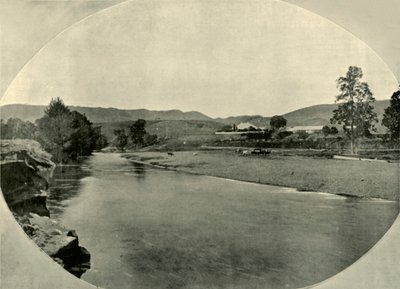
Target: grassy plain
[{"x": 352, "y": 178}]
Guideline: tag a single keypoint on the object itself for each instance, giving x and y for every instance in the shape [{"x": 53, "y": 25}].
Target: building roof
[
  {"x": 245, "y": 125},
  {"x": 305, "y": 128}
]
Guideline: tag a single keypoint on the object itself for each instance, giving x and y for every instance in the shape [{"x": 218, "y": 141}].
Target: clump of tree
[
  {"x": 137, "y": 132},
  {"x": 67, "y": 134},
  {"x": 228, "y": 127},
  {"x": 267, "y": 134},
  {"x": 150, "y": 139},
  {"x": 326, "y": 130},
  {"x": 282, "y": 134},
  {"x": 355, "y": 111},
  {"x": 121, "y": 139},
  {"x": 334, "y": 130},
  {"x": 277, "y": 122},
  {"x": 139, "y": 136},
  {"x": 135, "y": 136},
  {"x": 391, "y": 117},
  {"x": 14, "y": 128},
  {"x": 85, "y": 138},
  {"x": 302, "y": 135}
]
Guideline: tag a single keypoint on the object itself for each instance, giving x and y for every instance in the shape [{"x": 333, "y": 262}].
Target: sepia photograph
[{"x": 197, "y": 144}]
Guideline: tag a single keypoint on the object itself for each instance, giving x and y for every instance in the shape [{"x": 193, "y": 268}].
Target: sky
[{"x": 219, "y": 58}]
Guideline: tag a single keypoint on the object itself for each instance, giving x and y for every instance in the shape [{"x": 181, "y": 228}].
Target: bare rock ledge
[{"x": 25, "y": 169}]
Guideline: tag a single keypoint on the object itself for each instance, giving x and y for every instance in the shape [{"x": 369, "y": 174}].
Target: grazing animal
[
  {"x": 170, "y": 154},
  {"x": 195, "y": 153}
]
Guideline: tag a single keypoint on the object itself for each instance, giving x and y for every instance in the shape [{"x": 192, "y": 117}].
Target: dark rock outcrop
[
  {"x": 25, "y": 169},
  {"x": 59, "y": 243},
  {"x": 23, "y": 188}
]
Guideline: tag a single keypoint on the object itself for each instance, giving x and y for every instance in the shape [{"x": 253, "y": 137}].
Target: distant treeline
[
  {"x": 136, "y": 137},
  {"x": 64, "y": 133},
  {"x": 67, "y": 134}
]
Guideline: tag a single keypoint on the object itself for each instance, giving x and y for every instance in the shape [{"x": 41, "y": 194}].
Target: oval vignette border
[{"x": 307, "y": 5}]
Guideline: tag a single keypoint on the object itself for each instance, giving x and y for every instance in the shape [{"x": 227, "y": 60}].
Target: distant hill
[
  {"x": 100, "y": 114},
  {"x": 166, "y": 128},
  {"x": 312, "y": 115},
  {"x": 257, "y": 120},
  {"x": 320, "y": 114},
  {"x": 22, "y": 111}
]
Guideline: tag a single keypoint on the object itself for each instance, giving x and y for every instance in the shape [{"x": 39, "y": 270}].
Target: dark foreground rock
[{"x": 25, "y": 169}]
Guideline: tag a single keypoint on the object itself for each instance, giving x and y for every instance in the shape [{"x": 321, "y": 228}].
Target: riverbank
[
  {"x": 342, "y": 177},
  {"x": 25, "y": 170}
]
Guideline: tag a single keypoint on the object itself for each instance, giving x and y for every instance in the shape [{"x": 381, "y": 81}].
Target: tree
[
  {"x": 267, "y": 134},
  {"x": 66, "y": 134},
  {"x": 234, "y": 127},
  {"x": 334, "y": 130},
  {"x": 283, "y": 134},
  {"x": 391, "y": 117},
  {"x": 277, "y": 122},
  {"x": 354, "y": 111},
  {"x": 303, "y": 135},
  {"x": 4, "y": 130},
  {"x": 56, "y": 108},
  {"x": 15, "y": 128},
  {"x": 83, "y": 138},
  {"x": 226, "y": 128},
  {"x": 150, "y": 139},
  {"x": 101, "y": 141},
  {"x": 326, "y": 130},
  {"x": 121, "y": 140},
  {"x": 137, "y": 132},
  {"x": 54, "y": 129}
]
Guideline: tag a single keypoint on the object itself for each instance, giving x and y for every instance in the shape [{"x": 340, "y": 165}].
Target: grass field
[{"x": 353, "y": 178}]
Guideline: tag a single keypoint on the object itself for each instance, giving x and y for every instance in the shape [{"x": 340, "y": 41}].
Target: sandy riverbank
[{"x": 352, "y": 178}]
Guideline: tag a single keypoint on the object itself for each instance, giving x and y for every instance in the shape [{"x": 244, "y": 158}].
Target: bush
[
  {"x": 334, "y": 130},
  {"x": 150, "y": 139},
  {"x": 283, "y": 134},
  {"x": 303, "y": 135}
]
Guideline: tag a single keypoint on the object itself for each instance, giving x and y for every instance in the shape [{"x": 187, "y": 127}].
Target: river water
[{"x": 153, "y": 228}]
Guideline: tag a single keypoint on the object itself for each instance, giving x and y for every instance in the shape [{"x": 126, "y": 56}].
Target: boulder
[{"x": 25, "y": 169}]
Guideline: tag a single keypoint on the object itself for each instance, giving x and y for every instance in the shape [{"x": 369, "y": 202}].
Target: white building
[
  {"x": 246, "y": 125},
  {"x": 307, "y": 129}
]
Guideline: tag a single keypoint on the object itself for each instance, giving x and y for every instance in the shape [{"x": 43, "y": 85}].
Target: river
[{"x": 153, "y": 228}]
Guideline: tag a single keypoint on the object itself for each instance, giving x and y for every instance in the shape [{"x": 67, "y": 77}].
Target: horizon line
[{"x": 176, "y": 109}]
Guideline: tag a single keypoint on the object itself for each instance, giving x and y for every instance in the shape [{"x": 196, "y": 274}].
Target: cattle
[
  {"x": 170, "y": 154},
  {"x": 255, "y": 152},
  {"x": 260, "y": 152}
]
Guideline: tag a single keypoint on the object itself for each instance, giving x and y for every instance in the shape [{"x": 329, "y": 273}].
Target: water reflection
[
  {"x": 156, "y": 229},
  {"x": 64, "y": 185},
  {"x": 139, "y": 170}
]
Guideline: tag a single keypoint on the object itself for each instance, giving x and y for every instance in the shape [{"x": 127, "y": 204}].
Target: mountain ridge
[
  {"x": 101, "y": 114},
  {"x": 319, "y": 114}
]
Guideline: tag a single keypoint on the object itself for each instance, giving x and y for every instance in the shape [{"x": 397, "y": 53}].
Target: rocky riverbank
[{"x": 25, "y": 169}]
